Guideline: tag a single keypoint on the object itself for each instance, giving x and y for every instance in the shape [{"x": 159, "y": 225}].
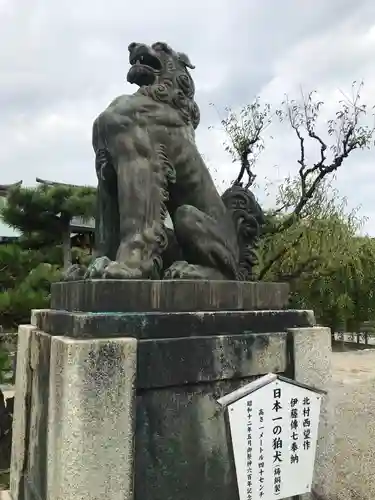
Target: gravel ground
[
  {"x": 4, "y": 495},
  {"x": 354, "y": 399}
]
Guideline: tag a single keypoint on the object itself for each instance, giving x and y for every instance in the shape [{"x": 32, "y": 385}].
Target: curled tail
[{"x": 248, "y": 218}]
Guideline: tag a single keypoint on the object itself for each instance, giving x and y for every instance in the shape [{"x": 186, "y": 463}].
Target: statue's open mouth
[
  {"x": 146, "y": 59},
  {"x": 145, "y": 67}
]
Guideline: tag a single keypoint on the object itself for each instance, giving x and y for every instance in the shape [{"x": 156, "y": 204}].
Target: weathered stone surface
[
  {"x": 180, "y": 439},
  {"x": 91, "y": 419},
  {"x": 6, "y": 418},
  {"x": 169, "y": 325},
  {"x": 8, "y": 342},
  {"x": 21, "y": 416},
  {"x": 40, "y": 346},
  {"x": 181, "y": 447},
  {"x": 167, "y": 296},
  {"x": 197, "y": 360},
  {"x": 181, "y": 443},
  {"x": 312, "y": 366}
]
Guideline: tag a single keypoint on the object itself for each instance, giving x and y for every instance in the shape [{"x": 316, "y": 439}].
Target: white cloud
[
  {"x": 62, "y": 63},
  {"x": 328, "y": 62}
]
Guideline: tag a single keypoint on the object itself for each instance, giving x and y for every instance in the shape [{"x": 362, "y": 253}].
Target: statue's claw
[
  {"x": 184, "y": 270},
  {"x": 104, "y": 268},
  {"x": 96, "y": 268},
  {"x": 119, "y": 271},
  {"x": 76, "y": 272}
]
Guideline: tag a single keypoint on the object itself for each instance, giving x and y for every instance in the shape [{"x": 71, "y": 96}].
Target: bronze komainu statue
[{"x": 148, "y": 164}]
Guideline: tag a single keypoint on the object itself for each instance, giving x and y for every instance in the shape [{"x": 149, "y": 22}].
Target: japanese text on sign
[{"x": 274, "y": 458}]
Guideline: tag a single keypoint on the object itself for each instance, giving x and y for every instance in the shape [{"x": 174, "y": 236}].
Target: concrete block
[
  {"x": 156, "y": 325},
  {"x": 21, "y": 417},
  {"x": 182, "y": 361},
  {"x": 91, "y": 419},
  {"x": 34, "y": 315},
  {"x": 35, "y": 480},
  {"x": 181, "y": 441},
  {"x": 167, "y": 295},
  {"x": 312, "y": 366}
]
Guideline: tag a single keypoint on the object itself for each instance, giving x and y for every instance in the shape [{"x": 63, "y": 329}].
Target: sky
[{"x": 61, "y": 63}]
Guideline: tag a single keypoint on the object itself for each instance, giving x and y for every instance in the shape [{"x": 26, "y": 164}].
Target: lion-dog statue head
[{"x": 162, "y": 74}]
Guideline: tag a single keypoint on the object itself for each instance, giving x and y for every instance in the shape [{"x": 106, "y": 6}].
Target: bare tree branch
[{"x": 350, "y": 136}]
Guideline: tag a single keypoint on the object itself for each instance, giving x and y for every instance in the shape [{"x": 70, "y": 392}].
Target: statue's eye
[{"x": 161, "y": 46}]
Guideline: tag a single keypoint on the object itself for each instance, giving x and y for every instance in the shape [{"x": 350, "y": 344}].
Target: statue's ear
[{"x": 183, "y": 58}]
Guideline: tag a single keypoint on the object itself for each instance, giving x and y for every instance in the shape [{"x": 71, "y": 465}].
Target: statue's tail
[{"x": 248, "y": 219}]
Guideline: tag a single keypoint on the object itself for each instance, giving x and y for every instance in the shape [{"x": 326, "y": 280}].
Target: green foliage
[
  {"x": 45, "y": 211},
  {"x": 329, "y": 267},
  {"x": 43, "y": 215},
  {"x": 343, "y": 298},
  {"x": 244, "y": 131},
  {"x": 28, "y": 268},
  {"x": 5, "y": 364},
  {"x": 317, "y": 234},
  {"x": 320, "y": 254},
  {"x": 30, "y": 290},
  {"x": 15, "y": 264}
]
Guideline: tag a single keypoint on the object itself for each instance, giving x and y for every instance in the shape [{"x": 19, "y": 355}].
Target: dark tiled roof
[
  {"x": 4, "y": 188},
  {"x": 53, "y": 183}
]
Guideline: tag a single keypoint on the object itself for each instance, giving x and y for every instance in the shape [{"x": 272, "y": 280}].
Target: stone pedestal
[
  {"x": 74, "y": 418},
  {"x": 160, "y": 354}
]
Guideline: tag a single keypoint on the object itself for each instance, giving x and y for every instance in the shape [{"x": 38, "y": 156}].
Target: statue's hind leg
[
  {"x": 202, "y": 239},
  {"x": 203, "y": 227}
]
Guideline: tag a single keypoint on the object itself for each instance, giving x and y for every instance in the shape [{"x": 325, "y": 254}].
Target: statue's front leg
[
  {"x": 107, "y": 216},
  {"x": 107, "y": 223},
  {"x": 142, "y": 186}
]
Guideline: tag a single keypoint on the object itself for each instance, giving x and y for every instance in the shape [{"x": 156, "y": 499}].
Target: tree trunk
[{"x": 67, "y": 249}]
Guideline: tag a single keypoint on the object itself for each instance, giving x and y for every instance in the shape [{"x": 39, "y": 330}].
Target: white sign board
[{"x": 274, "y": 428}]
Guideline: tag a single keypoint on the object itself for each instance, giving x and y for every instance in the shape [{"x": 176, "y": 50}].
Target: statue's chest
[{"x": 139, "y": 111}]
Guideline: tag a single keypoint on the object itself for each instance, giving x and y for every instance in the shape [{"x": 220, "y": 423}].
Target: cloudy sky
[{"x": 61, "y": 63}]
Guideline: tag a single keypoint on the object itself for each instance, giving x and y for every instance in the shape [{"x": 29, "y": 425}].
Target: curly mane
[{"x": 176, "y": 88}]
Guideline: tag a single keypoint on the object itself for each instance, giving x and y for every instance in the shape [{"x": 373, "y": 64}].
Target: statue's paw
[
  {"x": 184, "y": 270},
  {"x": 76, "y": 272},
  {"x": 104, "y": 268},
  {"x": 97, "y": 267},
  {"x": 120, "y": 271}
]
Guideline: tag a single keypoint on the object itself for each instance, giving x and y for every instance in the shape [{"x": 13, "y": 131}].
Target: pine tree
[{"x": 43, "y": 214}]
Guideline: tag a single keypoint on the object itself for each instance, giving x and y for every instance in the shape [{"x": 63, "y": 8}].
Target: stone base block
[
  {"x": 21, "y": 415},
  {"x": 154, "y": 381},
  {"x": 167, "y": 295},
  {"x": 168, "y": 325},
  {"x": 312, "y": 366},
  {"x": 74, "y": 418}
]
